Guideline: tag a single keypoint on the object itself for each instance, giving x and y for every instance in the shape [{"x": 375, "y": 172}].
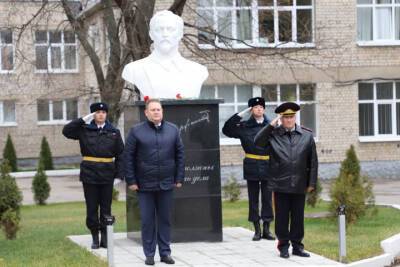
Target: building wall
[
  {"x": 25, "y": 86},
  {"x": 335, "y": 59}
]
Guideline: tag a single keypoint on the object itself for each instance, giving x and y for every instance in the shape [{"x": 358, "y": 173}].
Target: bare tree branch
[
  {"x": 177, "y": 7},
  {"x": 79, "y": 28}
]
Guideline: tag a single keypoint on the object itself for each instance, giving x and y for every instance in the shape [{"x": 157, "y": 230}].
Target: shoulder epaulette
[{"x": 307, "y": 129}]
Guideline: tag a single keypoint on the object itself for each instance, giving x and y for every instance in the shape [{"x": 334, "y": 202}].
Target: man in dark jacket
[
  {"x": 101, "y": 147},
  {"x": 154, "y": 165},
  {"x": 255, "y": 163},
  {"x": 294, "y": 171}
]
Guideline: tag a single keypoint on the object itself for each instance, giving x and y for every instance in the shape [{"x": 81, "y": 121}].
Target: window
[
  {"x": 249, "y": 23},
  {"x": 379, "y": 111},
  {"x": 7, "y": 112},
  {"x": 378, "y": 21},
  {"x": 236, "y": 98},
  {"x": 6, "y": 50},
  {"x": 56, "y": 51},
  {"x": 302, "y": 94},
  {"x": 54, "y": 111}
]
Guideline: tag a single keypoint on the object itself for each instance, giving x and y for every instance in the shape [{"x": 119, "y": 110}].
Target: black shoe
[
  {"x": 300, "y": 253},
  {"x": 103, "y": 240},
  {"x": 257, "y": 231},
  {"x": 266, "y": 233},
  {"x": 167, "y": 259},
  {"x": 95, "y": 239},
  {"x": 284, "y": 254},
  {"x": 149, "y": 261}
]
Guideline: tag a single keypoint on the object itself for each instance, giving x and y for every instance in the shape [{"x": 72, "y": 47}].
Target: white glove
[
  {"x": 88, "y": 118},
  {"x": 244, "y": 112},
  {"x": 275, "y": 121},
  {"x": 117, "y": 181}
]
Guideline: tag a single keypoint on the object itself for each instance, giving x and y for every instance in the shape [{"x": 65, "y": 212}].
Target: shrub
[
  {"x": 45, "y": 157},
  {"x": 115, "y": 194},
  {"x": 315, "y": 196},
  {"x": 9, "y": 221},
  {"x": 40, "y": 186},
  {"x": 351, "y": 189},
  {"x": 10, "y": 201},
  {"x": 232, "y": 189},
  {"x": 10, "y": 154}
]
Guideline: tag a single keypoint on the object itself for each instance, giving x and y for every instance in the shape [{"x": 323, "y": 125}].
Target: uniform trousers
[
  {"x": 97, "y": 196},
  {"x": 254, "y": 188},
  {"x": 289, "y": 220}
]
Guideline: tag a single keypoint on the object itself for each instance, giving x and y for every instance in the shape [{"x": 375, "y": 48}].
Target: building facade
[{"x": 340, "y": 60}]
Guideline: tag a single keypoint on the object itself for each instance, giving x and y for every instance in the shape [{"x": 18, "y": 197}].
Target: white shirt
[{"x": 259, "y": 121}]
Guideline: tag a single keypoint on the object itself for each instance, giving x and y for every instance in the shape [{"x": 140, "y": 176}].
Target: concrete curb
[
  {"x": 53, "y": 173},
  {"x": 378, "y": 261}
]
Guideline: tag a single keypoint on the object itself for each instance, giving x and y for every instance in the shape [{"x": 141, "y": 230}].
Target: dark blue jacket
[
  {"x": 105, "y": 143},
  {"x": 154, "y": 156},
  {"x": 253, "y": 169}
]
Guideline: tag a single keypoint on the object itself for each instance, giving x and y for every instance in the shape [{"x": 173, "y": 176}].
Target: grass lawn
[
  {"x": 42, "y": 239},
  {"x": 321, "y": 234}
]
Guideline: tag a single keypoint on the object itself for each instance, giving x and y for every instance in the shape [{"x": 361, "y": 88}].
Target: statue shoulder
[{"x": 134, "y": 70}]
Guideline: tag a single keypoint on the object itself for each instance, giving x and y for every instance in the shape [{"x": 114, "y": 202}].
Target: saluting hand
[
  {"x": 134, "y": 187},
  {"x": 88, "y": 118},
  {"x": 275, "y": 121},
  {"x": 244, "y": 112}
]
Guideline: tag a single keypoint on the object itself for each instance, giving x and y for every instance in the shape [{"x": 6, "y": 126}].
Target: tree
[
  {"x": 128, "y": 41},
  {"x": 127, "y": 26},
  {"x": 45, "y": 157},
  {"x": 351, "y": 189},
  {"x": 10, "y": 155},
  {"x": 40, "y": 186},
  {"x": 10, "y": 202}
]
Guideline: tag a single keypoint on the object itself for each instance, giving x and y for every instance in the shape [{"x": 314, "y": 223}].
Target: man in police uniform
[
  {"x": 101, "y": 147},
  {"x": 294, "y": 171},
  {"x": 255, "y": 163}
]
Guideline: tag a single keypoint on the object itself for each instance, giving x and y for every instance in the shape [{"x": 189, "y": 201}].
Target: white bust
[{"x": 165, "y": 73}]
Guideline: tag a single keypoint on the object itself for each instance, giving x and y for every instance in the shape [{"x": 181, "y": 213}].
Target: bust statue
[{"x": 165, "y": 74}]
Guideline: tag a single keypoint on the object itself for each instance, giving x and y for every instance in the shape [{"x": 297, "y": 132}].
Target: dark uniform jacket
[
  {"x": 105, "y": 143},
  {"x": 154, "y": 156},
  {"x": 253, "y": 169},
  {"x": 293, "y": 161}
]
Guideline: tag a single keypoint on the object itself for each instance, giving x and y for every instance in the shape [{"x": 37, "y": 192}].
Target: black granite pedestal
[{"x": 197, "y": 212}]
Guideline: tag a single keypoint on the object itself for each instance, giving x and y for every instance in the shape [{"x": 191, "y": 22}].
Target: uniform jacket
[
  {"x": 104, "y": 143},
  {"x": 293, "y": 161},
  {"x": 253, "y": 169}
]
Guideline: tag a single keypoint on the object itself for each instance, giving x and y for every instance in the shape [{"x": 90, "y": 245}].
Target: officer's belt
[
  {"x": 96, "y": 159},
  {"x": 253, "y": 156}
]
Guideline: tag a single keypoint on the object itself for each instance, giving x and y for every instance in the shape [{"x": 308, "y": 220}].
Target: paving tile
[{"x": 237, "y": 250}]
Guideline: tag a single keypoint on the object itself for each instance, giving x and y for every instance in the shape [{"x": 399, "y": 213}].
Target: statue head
[{"x": 166, "y": 31}]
